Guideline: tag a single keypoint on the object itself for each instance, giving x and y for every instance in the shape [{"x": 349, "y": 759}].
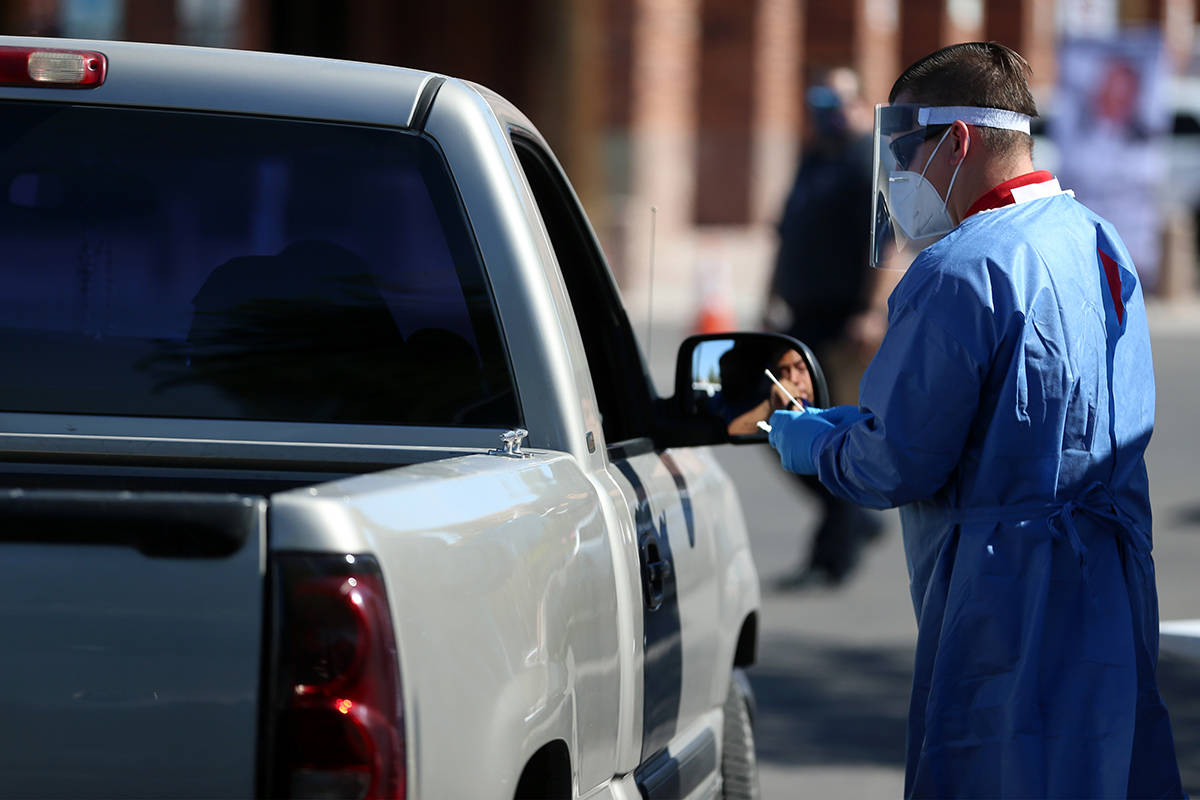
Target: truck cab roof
[{"x": 237, "y": 81}]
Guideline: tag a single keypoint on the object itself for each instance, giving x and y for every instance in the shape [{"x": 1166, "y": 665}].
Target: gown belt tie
[{"x": 1096, "y": 500}]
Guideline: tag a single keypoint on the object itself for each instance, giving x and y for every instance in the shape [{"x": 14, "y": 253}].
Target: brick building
[{"x": 688, "y": 106}]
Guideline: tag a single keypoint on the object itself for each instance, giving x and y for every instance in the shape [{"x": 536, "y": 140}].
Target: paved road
[{"x": 834, "y": 669}]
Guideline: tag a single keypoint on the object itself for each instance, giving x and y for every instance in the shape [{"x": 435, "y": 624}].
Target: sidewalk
[{"x": 1175, "y": 317}]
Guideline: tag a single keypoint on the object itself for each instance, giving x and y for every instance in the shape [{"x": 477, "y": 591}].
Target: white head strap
[{"x": 973, "y": 115}]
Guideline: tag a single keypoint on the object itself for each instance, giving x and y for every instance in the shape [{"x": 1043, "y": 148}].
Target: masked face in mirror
[
  {"x": 792, "y": 388},
  {"x": 741, "y": 380}
]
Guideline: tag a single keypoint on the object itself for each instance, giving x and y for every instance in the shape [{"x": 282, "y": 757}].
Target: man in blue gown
[{"x": 1007, "y": 413}]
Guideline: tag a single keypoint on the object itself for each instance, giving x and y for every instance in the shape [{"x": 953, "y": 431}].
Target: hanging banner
[
  {"x": 1096, "y": 19},
  {"x": 1110, "y": 125}
]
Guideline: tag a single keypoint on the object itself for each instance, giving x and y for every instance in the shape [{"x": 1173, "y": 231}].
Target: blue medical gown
[{"x": 1007, "y": 412}]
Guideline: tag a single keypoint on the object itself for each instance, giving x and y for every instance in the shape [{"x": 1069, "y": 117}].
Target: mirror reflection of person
[{"x": 791, "y": 370}]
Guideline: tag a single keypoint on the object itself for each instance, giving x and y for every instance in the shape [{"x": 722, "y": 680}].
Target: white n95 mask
[{"x": 919, "y": 214}]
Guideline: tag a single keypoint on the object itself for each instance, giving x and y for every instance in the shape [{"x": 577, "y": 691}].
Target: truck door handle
[{"x": 656, "y": 571}]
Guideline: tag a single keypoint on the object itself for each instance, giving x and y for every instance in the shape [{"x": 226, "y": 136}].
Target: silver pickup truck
[{"x": 329, "y": 464}]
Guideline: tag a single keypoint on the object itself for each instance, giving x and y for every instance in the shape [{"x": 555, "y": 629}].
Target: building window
[
  {"x": 211, "y": 23},
  {"x": 92, "y": 19},
  {"x": 725, "y": 113}
]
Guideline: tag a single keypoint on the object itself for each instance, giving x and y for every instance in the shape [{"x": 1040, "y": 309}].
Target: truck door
[{"x": 676, "y": 551}]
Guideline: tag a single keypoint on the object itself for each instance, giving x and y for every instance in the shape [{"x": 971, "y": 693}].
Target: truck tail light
[
  {"x": 334, "y": 721},
  {"x": 33, "y": 66}
]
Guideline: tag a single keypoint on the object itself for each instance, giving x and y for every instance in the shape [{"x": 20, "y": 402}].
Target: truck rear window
[{"x": 174, "y": 264}]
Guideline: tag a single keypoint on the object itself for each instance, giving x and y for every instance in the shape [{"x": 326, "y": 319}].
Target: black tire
[{"x": 739, "y": 762}]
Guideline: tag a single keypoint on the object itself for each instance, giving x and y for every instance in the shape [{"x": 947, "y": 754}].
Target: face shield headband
[{"x": 906, "y": 208}]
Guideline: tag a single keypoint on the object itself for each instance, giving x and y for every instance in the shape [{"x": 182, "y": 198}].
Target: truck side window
[
  {"x": 220, "y": 266},
  {"x": 618, "y": 373}
]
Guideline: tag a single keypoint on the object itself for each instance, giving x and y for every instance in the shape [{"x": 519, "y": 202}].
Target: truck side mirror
[{"x": 722, "y": 382}]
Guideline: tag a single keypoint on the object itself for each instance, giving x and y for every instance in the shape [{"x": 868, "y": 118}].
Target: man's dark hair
[{"x": 984, "y": 74}]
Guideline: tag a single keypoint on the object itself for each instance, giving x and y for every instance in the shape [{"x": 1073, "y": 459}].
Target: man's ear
[{"x": 960, "y": 140}]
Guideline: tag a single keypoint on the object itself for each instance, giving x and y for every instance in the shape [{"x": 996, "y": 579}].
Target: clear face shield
[{"x": 907, "y": 212}]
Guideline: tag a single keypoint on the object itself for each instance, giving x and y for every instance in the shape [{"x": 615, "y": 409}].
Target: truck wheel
[{"x": 739, "y": 764}]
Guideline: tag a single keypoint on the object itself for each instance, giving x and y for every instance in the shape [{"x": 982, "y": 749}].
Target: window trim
[
  {"x": 634, "y": 390},
  {"x": 187, "y": 441}
]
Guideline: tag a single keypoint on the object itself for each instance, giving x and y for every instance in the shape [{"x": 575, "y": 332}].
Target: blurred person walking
[
  {"x": 1008, "y": 413},
  {"x": 822, "y": 291}
]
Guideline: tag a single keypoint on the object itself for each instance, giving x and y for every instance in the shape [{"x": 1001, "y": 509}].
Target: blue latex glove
[
  {"x": 841, "y": 415},
  {"x": 793, "y": 433}
]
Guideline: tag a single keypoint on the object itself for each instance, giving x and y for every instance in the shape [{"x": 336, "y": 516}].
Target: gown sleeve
[{"x": 918, "y": 399}]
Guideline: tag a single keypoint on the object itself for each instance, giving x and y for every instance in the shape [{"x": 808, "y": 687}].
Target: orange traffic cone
[
  {"x": 715, "y": 315},
  {"x": 714, "y": 318}
]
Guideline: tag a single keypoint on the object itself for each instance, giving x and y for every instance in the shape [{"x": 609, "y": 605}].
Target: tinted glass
[{"x": 173, "y": 264}]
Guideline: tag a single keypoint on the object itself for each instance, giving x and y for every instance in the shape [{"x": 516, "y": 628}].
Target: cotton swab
[
  {"x": 783, "y": 388},
  {"x": 763, "y": 424}
]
